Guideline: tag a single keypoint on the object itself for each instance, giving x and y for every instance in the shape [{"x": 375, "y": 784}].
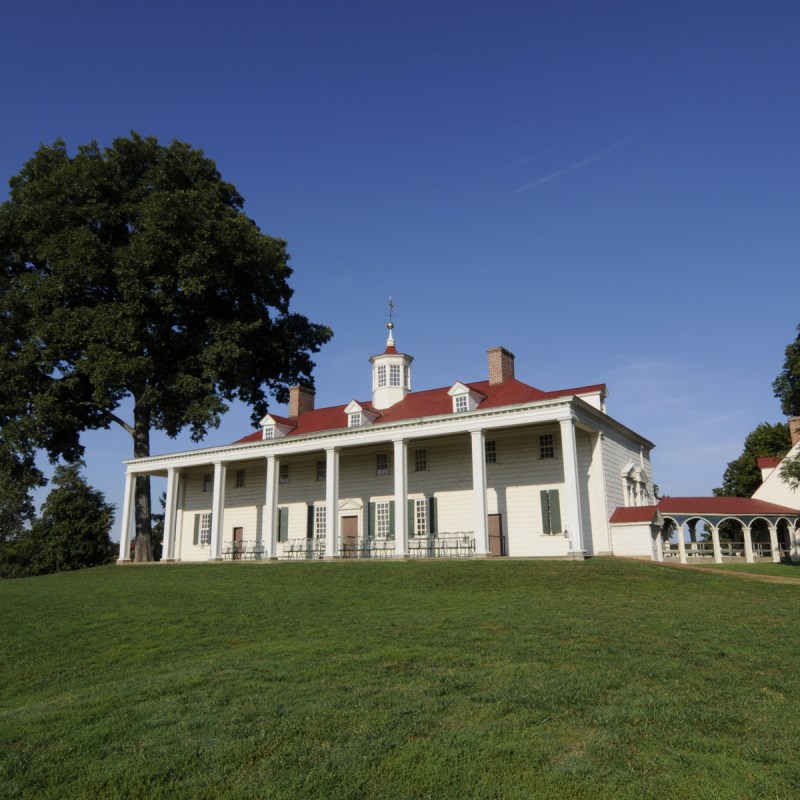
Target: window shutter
[
  {"x": 391, "y": 520},
  {"x": 371, "y": 520},
  {"x": 433, "y": 526},
  {"x": 555, "y": 511},
  {"x": 310, "y": 523},
  {"x": 196, "y": 538},
  {"x": 545, "y": 500},
  {"x": 283, "y": 524},
  {"x": 411, "y": 519}
]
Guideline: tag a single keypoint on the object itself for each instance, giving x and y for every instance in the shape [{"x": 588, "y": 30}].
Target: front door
[
  {"x": 496, "y": 543},
  {"x": 238, "y": 535},
  {"x": 349, "y": 537}
]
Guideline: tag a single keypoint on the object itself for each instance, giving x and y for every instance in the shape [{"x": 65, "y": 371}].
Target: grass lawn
[{"x": 478, "y": 679}]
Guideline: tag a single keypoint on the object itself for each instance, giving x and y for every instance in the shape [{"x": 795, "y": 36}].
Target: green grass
[{"x": 480, "y": 679}]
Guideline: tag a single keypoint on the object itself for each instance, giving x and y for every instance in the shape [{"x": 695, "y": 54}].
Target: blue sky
[{"x": 609, "y": 190}]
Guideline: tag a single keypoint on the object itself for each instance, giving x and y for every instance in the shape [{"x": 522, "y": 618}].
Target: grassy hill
[{"x": 495, "y": 679}]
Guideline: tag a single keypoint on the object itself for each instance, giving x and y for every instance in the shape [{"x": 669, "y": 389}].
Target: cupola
[{"x": 391, "y": 374}]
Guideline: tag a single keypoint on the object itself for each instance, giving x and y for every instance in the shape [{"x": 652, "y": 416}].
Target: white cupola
[{"x": 391, "y": 374}]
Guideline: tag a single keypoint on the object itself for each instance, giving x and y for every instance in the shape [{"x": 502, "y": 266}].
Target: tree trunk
[{"x": 142, "y": 512}]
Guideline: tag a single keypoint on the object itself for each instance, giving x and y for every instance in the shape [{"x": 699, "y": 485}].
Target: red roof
[
  {"x": 768, "y": 462},
  {"x": 634, "y": 514},
  {"x": 717, "y": 506},
  {"x": 430, "y": 403}
]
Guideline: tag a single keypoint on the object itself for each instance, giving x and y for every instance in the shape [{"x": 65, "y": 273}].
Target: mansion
[{"x": 494, "y": 467}]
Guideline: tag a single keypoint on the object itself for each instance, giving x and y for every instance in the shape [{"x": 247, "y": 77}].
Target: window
[
  {"x": 382, "y": 520},
  {"x": 462, "y": 403},
  {"x": 421, "y": 460},
  {"x": 382, "y": 464},
  {"x": 321, "y": 471},
  {"x": 203, "y": 533},
  {"x": 421, "y": 517},
  {"x": 394, "y": 374},
  {"x": 355, "y": 419},
  {"x": 283, "y": 475},
  {"x": 406, "y": 377},
  {"x": 551, "y": 511},
  {"x": 240, "y": 478},
  {"x": 283, "y": 524},
  {"x": 382, "y": 375},
  {"x": 269, "y": 431},
  {"x": 320, "y": 521},
  {"x": 547, "y": 448},
  {"x": 491, "y": 452},
  {"x": 208, "y": 482}
]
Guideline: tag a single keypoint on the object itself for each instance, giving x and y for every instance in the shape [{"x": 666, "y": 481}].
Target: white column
[
  {"x": 659, "y": 544},
  {"x": 269, "y": 522},
  {"x": 681, "y": 543},
  {"x": 479, "y": 493},
  {"x": 127, "y": 505},
  {"x": 773, "y": 542},
  {"x": 573, "y": 501},
  {"x": 748, "y": 543},
  {"x": 170, "y": 515},
  {"x": 217, "y": 511},
  {"x": 715, "y": 542},
  {"x": 400, "y": 498},
  {"x": 331, "y": 502}
]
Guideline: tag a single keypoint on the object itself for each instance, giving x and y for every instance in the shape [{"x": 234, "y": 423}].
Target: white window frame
[
  {"x": 421, "y": 517},
  {"x": 461, "y": 403},
  {"x": 395, "y": 375},
  {"x": 320, "y": 521},
  {"x": 204, "y": 538},
  {"x": 383, "y": 520},
  {"x": 381, "y": 376},
  {"x": 356, "y": 419},
  {"x": 269, "y": 431}
]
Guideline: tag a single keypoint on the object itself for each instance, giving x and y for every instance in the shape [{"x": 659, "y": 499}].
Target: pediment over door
[{"x": 350, "y": 504}]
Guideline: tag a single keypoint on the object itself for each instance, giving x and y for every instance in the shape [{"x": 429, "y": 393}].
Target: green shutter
[
  {"x": 196, "y": 539},
  {"x": 410, "y": 526},
  {"x": 310, "y": 523},
  {"x": 391, "y": 520},
  {"x": 283, "y": 524},
  {"x": 433, "y": 526},
  {"x": 555, "y": 512},
  {"x": 371, "y": 521},
  {"x": 545, "y": 500}
]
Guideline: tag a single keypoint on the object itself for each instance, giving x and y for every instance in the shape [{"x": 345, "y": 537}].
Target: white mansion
[{"x": 490, "y": 468}]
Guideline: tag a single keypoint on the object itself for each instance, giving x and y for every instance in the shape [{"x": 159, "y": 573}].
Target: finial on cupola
[{"x": 390, "y": 324}]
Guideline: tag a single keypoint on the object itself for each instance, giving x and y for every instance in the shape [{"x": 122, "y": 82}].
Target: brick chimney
[
  {"x": 794, "y": 429},
  {"x": 301, "y": 399},
  {"x": 501, "y": 365}
]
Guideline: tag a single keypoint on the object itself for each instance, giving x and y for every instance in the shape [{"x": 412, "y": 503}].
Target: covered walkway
[{"x": 779, "y": 525}]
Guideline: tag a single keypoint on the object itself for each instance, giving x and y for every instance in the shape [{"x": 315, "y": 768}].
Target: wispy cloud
[{"x": 553, "y": 176}]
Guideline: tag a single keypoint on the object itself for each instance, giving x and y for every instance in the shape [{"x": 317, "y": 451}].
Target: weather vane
[{"x": 390, "y": 325}]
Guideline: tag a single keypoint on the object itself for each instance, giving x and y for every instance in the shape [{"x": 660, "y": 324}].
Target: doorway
[
  {"x": 496, "y": 540},
  {"x": 349, "y": 537},
  {"x": 238, "y": 537}
]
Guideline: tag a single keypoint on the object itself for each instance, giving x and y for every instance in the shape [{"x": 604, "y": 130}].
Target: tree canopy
[
  {"x": 787, "y": 385},
  {"x": 133, "y": 272},
  {"x": 742, "y": 476}
]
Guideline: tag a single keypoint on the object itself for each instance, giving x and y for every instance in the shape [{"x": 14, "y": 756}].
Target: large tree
[
  {"x": 787, "y": 390},
  {"x": 133, "y": 272},
  {"x": 742, "y": 476}
]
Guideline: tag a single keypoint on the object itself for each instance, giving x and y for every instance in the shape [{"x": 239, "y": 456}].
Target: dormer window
[
  {"x": 356, "y": 419},
  {"x": 359, "y": 415},
  {"x": 464, "y": 398},
  {"x": 274, "y": 427},
  {"x": 269, "y": 431}
]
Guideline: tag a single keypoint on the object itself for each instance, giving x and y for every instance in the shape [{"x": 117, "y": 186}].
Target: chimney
[
  {"x": 501, "y": 365},
  {"x": 794, "y": 429},
  {"x": 301, "y": 399}
]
